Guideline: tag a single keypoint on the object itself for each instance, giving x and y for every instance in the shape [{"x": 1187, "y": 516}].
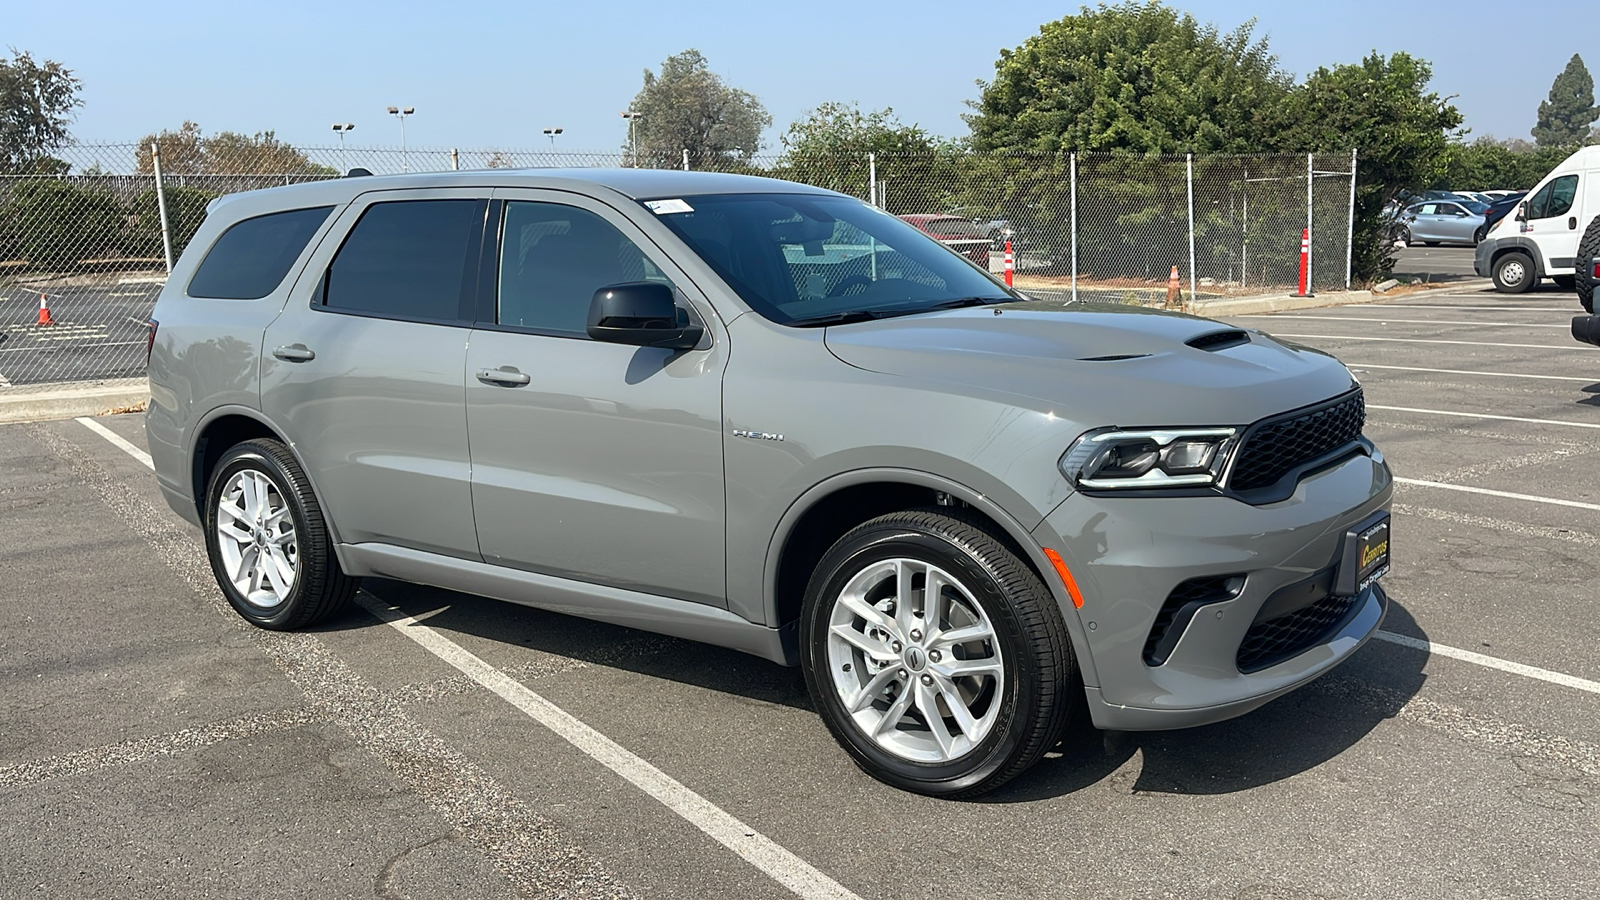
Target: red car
[{"x": 954, "y": 232}]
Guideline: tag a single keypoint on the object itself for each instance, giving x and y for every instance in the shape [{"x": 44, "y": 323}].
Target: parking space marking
[
  {"x": 1509, "y": 495},
  {"x": 1492, "y": 662},
  {"x": 1564, "y": 309},
  {"x": 1585, "y": 348},
  {"x": 1467, "y": 415},
  {"x": 757, "y": 849},
  {"x": 1471, "y": 372},
  {"x": 760, "y": 851},
  {"x": 74, "y": 347},
  {"x": 1394, "y": 321}
]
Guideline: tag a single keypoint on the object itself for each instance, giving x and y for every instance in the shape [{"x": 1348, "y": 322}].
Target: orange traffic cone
[
  {"x": 1174, "y": 289},
  {"x": 44, "y": 310}
]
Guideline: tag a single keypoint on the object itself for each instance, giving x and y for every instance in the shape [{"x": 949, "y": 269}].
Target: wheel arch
[
  {"x": 1521, "y": 245},
  {"x": 227, "y": 426}
]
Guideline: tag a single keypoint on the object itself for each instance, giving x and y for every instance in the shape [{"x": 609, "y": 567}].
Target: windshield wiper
[
  {"x": 961, "y": 302},
  {"x": 843, "y": 318}
]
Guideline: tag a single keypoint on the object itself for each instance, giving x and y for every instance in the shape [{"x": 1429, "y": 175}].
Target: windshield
[{"x": 796, "y": 258}]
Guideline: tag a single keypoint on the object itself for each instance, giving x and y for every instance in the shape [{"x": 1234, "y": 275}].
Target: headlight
[{"x": 1179, "y": 457}]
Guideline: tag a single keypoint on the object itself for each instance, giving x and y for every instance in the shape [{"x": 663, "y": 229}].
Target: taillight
[
  {"x": 150, "y": 341},
  {"x": 1597, "y": 270}
]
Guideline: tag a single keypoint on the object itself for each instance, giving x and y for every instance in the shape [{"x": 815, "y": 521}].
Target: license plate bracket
[{"x": 1366, "y": 555}]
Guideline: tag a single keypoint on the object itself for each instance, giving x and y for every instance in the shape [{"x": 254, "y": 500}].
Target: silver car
[
  {"x": 1437, "y": 222},
  {"x": 774, "y": 418}
]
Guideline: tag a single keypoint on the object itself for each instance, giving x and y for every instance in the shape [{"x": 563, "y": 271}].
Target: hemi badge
[{"x": 757, "y": 435}]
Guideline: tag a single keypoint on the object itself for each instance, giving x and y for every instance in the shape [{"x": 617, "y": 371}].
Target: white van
[{"x": 1540, "y": 239}]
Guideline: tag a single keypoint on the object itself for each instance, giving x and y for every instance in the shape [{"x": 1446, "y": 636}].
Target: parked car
[
  {"x": 961, "y": 235},
  {"x": 1001, "y": 230},
  {"x": 1474, "y": 196},
  {"x": 1540, "y": 238},
  {"x": 769, "y": 417},
  {"x": 1435, "y": 222},
  {"x": 1501, "y": 208}
]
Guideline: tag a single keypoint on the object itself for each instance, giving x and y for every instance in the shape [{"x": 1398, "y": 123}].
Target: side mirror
[
  {"x": 642, "y": 314},
  {"x": 1522, "y": 211}
]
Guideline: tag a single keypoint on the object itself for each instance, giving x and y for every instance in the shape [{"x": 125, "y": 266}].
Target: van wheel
[
  {"x": 1513, "y": 273},
  {"x": 937, "y": 658},
  {"x": 269, "y": 546}
]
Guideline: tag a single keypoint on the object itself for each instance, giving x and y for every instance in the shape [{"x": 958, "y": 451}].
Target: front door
[
  {"x": 1553, "y": 222},
  {"x": 592, "y": 461}
]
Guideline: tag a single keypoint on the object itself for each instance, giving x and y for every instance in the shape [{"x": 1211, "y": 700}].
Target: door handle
[
  {"x": 507, "y": 376},
  {"x": 294, "y": 353},
  {"x": 1572, "y": 223}
]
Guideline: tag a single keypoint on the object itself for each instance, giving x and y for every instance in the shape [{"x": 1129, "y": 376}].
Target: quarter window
[
  {"x": 251, "y": 258},
  {"x": 406, "y": 259},
  {"x": 1554, "y": 199},
  {"x": 552, "y": 260}
]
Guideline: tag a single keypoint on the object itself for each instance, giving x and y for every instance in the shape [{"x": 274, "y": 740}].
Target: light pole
[
  {"x": 340, "y": 130},
  {"x": 401, "y": 114},
  {"x": 633, "y": 148},
  {"x": 551, "y": 134}
]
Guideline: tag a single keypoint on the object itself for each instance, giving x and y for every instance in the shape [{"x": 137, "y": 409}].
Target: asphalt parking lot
[
  {"x": 431, "y": 744},
  {"x": 99, "y": 332}
]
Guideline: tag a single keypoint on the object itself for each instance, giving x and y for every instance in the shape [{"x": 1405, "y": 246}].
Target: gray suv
[{"x": 773, "y": 418}]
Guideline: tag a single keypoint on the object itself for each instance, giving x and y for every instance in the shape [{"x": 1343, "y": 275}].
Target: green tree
[
  {"x": 1135, "y": 77},
  {"x": 57, "y": 222},
  {"x": 1489, "y": 164},
  {"x": 1565, "y": 117},
  {"x": 1382, "y": 107},
  {"x": 188, "y": 151},
  {"x": 36, "y": 104},
  {"x": 829, "y": 147},
  {"x": 689, "y": 107}
]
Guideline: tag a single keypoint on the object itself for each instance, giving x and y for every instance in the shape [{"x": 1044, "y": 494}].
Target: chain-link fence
[{"x": 83, "y": 251}]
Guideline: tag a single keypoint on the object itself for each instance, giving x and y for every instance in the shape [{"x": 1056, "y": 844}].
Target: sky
[{"x": 491, "y": 74}]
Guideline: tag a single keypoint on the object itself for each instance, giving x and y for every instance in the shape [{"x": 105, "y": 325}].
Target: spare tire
[{"x": 1588, "y": 249}]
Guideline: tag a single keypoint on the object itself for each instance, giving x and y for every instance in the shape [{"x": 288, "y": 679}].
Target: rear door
[
  {"x": 592, "y": 461},
  {"x": 364, "y": 369},
  {"x": 1553, "y": 216}
]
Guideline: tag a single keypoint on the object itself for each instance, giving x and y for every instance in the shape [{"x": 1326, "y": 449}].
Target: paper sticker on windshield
[{"x": 666, "y": 207}]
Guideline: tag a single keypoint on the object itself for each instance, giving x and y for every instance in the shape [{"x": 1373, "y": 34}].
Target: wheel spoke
[
  {"x": 280, "y": 573},
  {"x": 870, "y": 691},
  {"x": 277, "y": 518},
  {"x": 873, "y": 648},
  {"x": 978, "y": 632},
  {"x": 958, "y": 709},
  {"x": 865, "y": 610},
  {"x": 903, "y": 597},
  {"x": 897, "y": 710},
  {"x": 933, "y": 606},
  {"x": 234, "y": 533},
  {"x": 232, "y": 510},
  {"x": 962, "y": 668},
  {"x": 928, "y": 702}
]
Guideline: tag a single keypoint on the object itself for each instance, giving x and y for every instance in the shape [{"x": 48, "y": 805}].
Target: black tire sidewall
[
  {"x": 248, "y": 456},
  {"x": 1020, "y": 692},
  {"x": 1521, "y": 287}
]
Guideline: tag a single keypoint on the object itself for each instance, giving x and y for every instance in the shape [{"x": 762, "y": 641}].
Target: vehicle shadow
[{"x": 1290, "y": 735}]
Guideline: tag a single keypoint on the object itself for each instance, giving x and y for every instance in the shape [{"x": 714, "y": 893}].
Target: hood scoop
[{"x": 1213, "y": 341}]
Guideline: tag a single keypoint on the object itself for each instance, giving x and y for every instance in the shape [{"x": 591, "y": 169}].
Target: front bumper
[{"x": 1129, "y": 554}]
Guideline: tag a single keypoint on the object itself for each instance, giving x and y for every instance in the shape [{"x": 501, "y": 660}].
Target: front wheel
[
  {"x": 937, "y": 658},
  {"x": 1513, "y": 274},
  {"x": 269, "y": 547},
  {"x": 1479, "y": 235}
]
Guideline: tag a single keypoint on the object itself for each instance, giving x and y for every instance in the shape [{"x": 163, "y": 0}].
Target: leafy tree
[
  {"x": 1135, "y": 77},
  {"x": 829, "y": 146},
  {"x": 188, "y": 151},
  {"x": 1382, "y": 107},
  {"x": 1565, "y": 117},
  {"x": 59, "y": 222},
  {"x": 689, "y": 107},
  {"x": 1488, "y": 164},
  {"x": 36, "y": 104}
]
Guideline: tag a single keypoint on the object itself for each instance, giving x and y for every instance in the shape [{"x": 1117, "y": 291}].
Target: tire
[
  {"x": 1479, "y": 235},
  {"x": 1017, "y": 696},
  {"x": 1403, "y": 236},
  {"x": 301, "y": 584},
  {"x": 1588, "y": 249},
  {"x": 1513, "y": 273}
]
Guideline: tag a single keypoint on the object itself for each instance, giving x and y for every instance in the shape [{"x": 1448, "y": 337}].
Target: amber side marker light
[{"x": 1066, "y": 577}]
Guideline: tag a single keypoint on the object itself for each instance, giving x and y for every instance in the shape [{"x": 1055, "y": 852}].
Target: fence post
[
  {"x": 1350, "y": 236},
  {"x": 1192, "y": 280},
  {"x": 455, "y": 160},
  {"x": 1244, "y": 233},
  {"x": 1074, "y": 190},
  {"x": 872, "y": 178},
  {"x": 686, "y": 159},
  {"x": 161, "y": 204},
  {"x": 1310, "y": 234}
]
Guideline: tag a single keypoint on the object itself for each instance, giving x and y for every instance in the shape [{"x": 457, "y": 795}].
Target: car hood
[{"x": 1099, "y": 364}]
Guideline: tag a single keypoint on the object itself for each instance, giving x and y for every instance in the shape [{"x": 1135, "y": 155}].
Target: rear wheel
[
  {"x": 1513, "y": 273},
  {"x": 937, "y": 658}
]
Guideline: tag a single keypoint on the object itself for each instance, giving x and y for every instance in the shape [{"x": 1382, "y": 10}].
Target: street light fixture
[
  {"x": 340, "y": 130},
  {"x": 551, "y": 134},
  {"x": 401, "y": 114},
  {"x": 633, "y": 148}
]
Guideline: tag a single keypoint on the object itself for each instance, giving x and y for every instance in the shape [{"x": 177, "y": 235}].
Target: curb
[
  {"x": 68, "y": 401},
  {"x": 1270, "y": 303}
]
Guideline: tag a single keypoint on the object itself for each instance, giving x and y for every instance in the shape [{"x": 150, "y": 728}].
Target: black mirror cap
[
  {"x": 643, "y": 314},
  {"x": 1522, "y": 211}
]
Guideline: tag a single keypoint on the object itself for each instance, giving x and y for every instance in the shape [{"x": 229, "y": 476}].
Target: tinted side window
[
  {"x": 552, "y": 260},
  {"x": 250, "y": 259},
  {"x": 1554, "y": 199},
  {"x": 406, "y": 258}
]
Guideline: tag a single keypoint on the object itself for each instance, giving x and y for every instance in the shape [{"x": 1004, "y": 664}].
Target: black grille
[
  {"x": 1276, "y": 446},
  {"x": 1275, "y": 640},
  {"x": 1179, "y": 610}
]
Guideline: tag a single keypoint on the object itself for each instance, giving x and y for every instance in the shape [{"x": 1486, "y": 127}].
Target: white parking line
[
  {"x": 1394, "y": 321},
  {"x": 1564, "y": 309},
  {"x": 755, "y": 848},
  {"x": 1467, "y": 415},
  {"x": 1352, "y": 337},
  {"x": 74, "y": 347},
  {"x": 1492, "y": 662},
  {"x": 1363, "y": 366},
  {"x": 1554, "y": 501}
]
